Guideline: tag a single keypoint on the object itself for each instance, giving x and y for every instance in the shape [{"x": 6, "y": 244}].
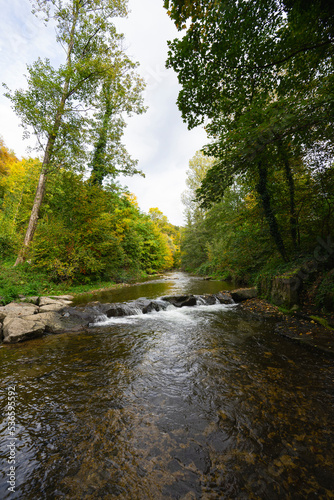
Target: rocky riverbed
[
  {"x": 37, "y": 316},
  {"x": 41, "y": 315}
]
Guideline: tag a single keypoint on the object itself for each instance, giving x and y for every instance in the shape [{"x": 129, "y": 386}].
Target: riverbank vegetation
[
  {"x": 86, "y": 234},
  {"x": 64, "y": 219},
  {"x": 259, "y": 75}
]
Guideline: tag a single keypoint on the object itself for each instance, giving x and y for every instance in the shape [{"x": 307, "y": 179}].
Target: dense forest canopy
[
  {"x": 259, "y": 76},
  {"x": 76, "y": 111},
  {"x": 87, "y": 233}
]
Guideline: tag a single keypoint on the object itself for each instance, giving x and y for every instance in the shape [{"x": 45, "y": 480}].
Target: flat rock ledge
[
  {"x": 32, "y": 318},
  {"x": 296, "y": 327}
]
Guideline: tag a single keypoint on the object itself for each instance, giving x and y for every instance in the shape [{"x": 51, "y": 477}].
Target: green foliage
[
  {"x": 171, "y": 237},
  {"x": 76, "y": 110},
  {"x": 87, "y": 233},
  {"x": 230, "y": 240},
  {"x": 260, "y": 76},
  {"x": 15, "y": 282},
  {"x": 96, "y": 234},
  {"x": 325, "y": 292}
]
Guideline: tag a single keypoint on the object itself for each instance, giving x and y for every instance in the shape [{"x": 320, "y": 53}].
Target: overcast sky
[{"x": 159, "y": 139}]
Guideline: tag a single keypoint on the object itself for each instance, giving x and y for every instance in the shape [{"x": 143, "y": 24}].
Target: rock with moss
[{"x": 286, "y": 290}]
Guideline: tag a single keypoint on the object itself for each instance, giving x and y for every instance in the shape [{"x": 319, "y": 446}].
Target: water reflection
[
  {"x": 174, "y": 283},
  {"x": 198, "y": 404}
]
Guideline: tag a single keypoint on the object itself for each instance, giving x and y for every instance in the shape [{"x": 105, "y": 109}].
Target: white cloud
[{"x": 159, "y": 139}]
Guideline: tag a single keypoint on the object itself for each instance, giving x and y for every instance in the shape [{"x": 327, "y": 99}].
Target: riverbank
[
  {"x": 34, "y": 317},
  {"x": 19, "y": 282},
  {"x": 297, "y": 326}
]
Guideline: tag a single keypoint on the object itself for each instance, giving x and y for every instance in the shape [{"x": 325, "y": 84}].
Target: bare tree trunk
[
  {"x": 33, "y": 218},
  {"x": 48, "y": 154}
]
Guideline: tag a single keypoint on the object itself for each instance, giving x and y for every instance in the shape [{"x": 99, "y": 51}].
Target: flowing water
[{"x": 191, "y": 403}]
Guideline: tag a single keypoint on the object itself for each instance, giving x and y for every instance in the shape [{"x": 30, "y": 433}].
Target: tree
[
  {"x": 170, "y": 234},
  {"x": 262, "y": 82},
  {"x": 120, "y": 94},
  {"x": 198, "y": 168},
  {"x": 57, "y": 101}
]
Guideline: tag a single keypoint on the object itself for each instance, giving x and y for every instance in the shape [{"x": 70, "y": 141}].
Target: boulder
[
  {"x": 83, "y": 316},
  {"x": 285, "y": 291},
  {"x": 45, "y": 301},
  {"x": 69, "y": 298},
  {"x": 155, "y": 305},
  {"x": 32, "y": 300},
  {"x": 117, "y": 310},
  {"x": 181, "y": 300},
  {"x": 58, "y": 306},
  {"x": 209, "y": 300},
  {"x": 51, "y": 321},
  {"x": 18, "y": 329},
  {"x": 19, "y": 309},
  {"x": 224, "y": 298},
  {"x": 243, "y": 294}
]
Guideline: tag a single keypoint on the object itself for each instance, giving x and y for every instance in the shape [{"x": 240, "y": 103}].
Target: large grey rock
[
  {"x": 285, "y": 291},
  {"x": 51, "y": 321},
  {"x": 181, "y": 300},
  {"x": 45, "y": 301},
  {"x": 59, "y": 306},
  {"x": 243, "y": 294},
  {"x": 62, "y": 297},
  {"x": 32, "y": 300},
  {"x": 19, "y": 329},
  {"x": 224, "y": 298},
  {"x": 19, "y": 309},
  {"x": 83, "y": 316},
  {"x": 155, "y": 305}
]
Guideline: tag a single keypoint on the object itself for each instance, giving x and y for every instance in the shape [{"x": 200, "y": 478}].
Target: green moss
[
  {"x": 288, "y": 312},
  {"x": 322, "y": 321}
]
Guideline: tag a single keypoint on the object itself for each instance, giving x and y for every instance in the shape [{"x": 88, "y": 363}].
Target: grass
[
  {"x": 25, "y": 281},
  {"x": 21, "y": 280}
]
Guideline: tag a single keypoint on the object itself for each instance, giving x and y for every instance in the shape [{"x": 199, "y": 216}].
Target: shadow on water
[{"x": 188, "y": 403}]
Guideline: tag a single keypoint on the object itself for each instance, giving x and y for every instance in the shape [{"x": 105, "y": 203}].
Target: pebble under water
[{"x": 190, "y": 403}]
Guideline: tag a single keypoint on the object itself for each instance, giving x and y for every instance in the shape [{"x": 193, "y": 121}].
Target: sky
[{"x": 158, "y": 139}]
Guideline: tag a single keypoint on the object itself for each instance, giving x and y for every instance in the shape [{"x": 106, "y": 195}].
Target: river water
[{"x": 191, "y": 403}]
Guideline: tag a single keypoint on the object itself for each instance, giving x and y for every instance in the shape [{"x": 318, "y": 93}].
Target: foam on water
[{"x": 174, "y": 314}]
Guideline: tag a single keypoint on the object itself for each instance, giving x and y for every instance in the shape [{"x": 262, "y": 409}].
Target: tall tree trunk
[
  {"x": 291, "y": 185},
  {"x": 33, "y": 218},
  {"x": 38, "y": 197},
  {"x": 262, "y": 189},
  {"x": 48, "y": 153}
]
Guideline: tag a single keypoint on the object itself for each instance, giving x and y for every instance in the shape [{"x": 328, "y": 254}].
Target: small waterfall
[{"x": 145, "y": 306}]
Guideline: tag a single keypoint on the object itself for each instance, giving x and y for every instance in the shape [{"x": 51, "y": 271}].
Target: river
[{"x": 191, "y": 403}]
